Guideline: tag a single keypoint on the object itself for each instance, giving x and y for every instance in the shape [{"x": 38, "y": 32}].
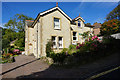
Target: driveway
[
  {"x": 39, "y": 69},
  {"x": 24, "y": 65}
]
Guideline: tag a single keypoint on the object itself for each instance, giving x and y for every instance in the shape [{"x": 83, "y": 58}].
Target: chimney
[
  {"x": 79, "y": 14},
  {"x": 56, "y": 4}
]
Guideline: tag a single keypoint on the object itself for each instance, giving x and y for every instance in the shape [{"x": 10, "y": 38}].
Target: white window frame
[
  {"x": 75, "y": 36},
  {"x": 60, "y": 42},
  {"x": 57, "y": 23}
]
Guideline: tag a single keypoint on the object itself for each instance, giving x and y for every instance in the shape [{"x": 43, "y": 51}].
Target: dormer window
[
  {"x": 56, "y": 23},
  {"x": 79, "y": 23}
]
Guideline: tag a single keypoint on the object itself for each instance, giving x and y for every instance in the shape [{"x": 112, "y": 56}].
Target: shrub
[
  {"x": 21, "y": 48},
  {"x": 85, "y": 34},
  {"x": 49, "y": 48},
  {"x": 65, "y": 50},
  {"x": 72, "y": 47},
  {"x": 89, "y": 45},
  {"x": 58, "y": 57},
  {"x": 8, "y": 55}
]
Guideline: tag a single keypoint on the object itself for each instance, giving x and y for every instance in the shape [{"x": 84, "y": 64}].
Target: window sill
[
  {"x": 80, "y": 27},
  {"x": 60, "y": 48},
  {"x": 57, "y": 29},
  {"x": 75, "y": 40},
  {"x": 54, "y": 48}
]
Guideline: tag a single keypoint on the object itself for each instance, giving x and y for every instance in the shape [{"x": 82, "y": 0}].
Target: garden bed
[{"x": 89, "y": 51}]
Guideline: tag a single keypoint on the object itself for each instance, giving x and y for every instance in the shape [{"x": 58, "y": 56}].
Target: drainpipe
[{"x": 37, "y": 39}]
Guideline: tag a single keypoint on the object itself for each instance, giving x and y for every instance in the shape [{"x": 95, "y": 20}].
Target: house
[
  {"x": 96, "y": 28},
  {"x": 12, "y": 43},
  {"x": 53, "y": 24}
]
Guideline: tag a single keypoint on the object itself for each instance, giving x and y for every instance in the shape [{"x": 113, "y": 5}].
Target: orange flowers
[{"x": 110, "y": 27}]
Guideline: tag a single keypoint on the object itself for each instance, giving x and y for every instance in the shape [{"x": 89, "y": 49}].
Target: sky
[{"x": 91, "y": 12}]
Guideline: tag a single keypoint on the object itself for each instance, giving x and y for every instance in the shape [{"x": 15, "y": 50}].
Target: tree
[
  {"x": 15, "y": 31},
  {"x": 110, "y": 27},
  {"x": 20, "y": 39},
  {"x": 8, "y": 35},
  {"x": 17, "y": 23},
  {"x": 5, "y": 43},
  {"x": 114, "y": 14}
]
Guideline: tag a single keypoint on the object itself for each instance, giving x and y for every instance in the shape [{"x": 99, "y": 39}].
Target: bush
[
  {"x": 58, "y": 57},
  {"x": 90, "y": 50},
  {"x": 90, "y": 46},
  {"x": 21, "y": 48},
  {"x": 85, "y": 34},
  {"x": 71, "y": 47},
  {"x": 49, "y": 48},
  {"x": 65, "y": 50},
  {"x": 111, "y": 43},
  {"x": 8, "y": 55}
]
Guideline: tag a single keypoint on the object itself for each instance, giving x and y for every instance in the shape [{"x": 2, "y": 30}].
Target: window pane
[
  {"x": 53, "y": 38},
  {"x": 56, "y": 19},
  {"x": 54, "y": 41},
  {"x": 74, "y": 38},
  {"x": 60, "y": 38},
  {"x": 79, "y": 23},
  {"x": 74, "y": 33},
  {"x": 56, "y": 23},
  {"x": 60, "y": 43}
]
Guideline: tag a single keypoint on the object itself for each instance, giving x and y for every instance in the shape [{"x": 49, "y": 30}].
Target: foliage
[
  {"x": 49, "y": 46},
  {"x": 114, "y": 14},
  {"x": 20, "y": 42},
  {"x": 92, "y": 49},
  {"x": 17, "y": 23},
  {"x": 21, "y": 48},
  {"x": 110, "y": 27},
  {"x": 58, "y": 57},
  {"x": 111, "y": 43},
  {"x": 5, "y": 43},
  {"x": 15, "y": 31},
  {"x": 8, "y": 55},
  {"x": 7, "y": 36},
  {"x": 89, "y": 45},
  {"x": 72, "y": 47},
  {"x": 65, "y": 50},
  {"x": 12, "y": 49},
  {"x": 88, "y": 24},
  {"x": 7, "y": 58},
  {"x": 86, "y": 34}
]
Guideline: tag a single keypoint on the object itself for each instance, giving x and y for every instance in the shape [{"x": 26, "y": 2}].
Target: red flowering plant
[{"x": 90, "y": 44}]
